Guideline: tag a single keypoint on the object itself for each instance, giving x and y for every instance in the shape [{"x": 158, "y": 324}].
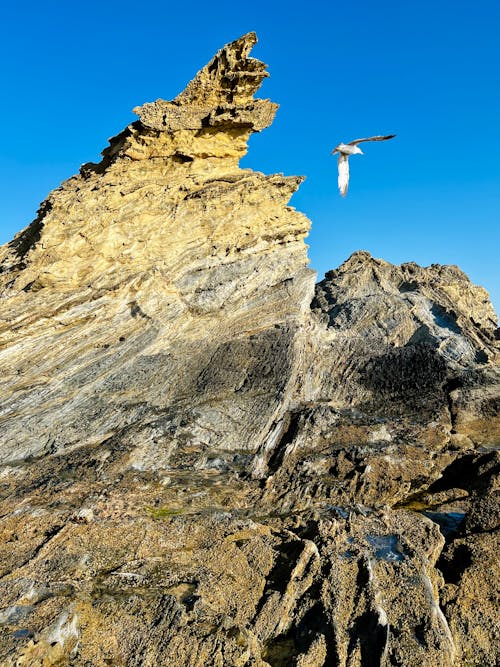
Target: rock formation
[{"x": 207, "y": 460}]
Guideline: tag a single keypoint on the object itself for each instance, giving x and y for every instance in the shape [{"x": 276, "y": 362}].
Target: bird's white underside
[{"x": 343, "y": 164}]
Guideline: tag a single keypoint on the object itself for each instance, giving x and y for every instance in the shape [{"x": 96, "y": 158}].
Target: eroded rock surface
[{"x": 208, "y": 461}]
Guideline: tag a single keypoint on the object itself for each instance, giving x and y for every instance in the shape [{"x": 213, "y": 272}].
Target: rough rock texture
[{"x": 207, "y": 462}]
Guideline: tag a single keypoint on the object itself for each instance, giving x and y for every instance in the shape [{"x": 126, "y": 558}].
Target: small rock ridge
[{"x": 437, "y": 304}]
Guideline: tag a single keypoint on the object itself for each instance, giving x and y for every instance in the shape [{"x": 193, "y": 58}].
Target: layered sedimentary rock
[
  {"x": 146, "y": 274},
  {"x": 207, "y": 460}
]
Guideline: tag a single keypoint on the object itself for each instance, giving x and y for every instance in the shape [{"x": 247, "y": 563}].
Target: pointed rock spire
[{"x": 220, "y": 95}]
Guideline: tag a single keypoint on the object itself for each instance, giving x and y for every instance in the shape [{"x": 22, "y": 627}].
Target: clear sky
[{"x": 428, "y": 70}]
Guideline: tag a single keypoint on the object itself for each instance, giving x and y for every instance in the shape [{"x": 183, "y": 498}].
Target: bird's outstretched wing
[
  {"x": 378, "y": 137},
  {"x": 343, "y": 163}
]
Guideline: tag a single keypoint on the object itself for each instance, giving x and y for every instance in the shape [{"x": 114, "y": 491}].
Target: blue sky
[{"x": 428, "y": 71}]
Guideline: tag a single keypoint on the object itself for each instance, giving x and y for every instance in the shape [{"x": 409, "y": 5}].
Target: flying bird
[{"x": 344, "y": 150}]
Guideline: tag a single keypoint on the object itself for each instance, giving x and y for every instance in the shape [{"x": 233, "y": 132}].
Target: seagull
[{"x": 344, "y": 150}]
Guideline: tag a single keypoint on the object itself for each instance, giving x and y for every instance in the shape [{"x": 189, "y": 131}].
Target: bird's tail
[{"x": 343, "y": 181}]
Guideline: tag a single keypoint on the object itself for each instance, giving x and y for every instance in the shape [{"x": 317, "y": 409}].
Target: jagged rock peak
[
  {"x": 231, "y": 76},
  {"x": 212, "y": 118},
  {"x": 220, "y": 95},
  {"x": 134, "y": 212}
]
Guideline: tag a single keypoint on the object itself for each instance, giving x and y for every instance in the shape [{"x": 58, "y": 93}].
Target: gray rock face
[{"x": 205, "y": 460}]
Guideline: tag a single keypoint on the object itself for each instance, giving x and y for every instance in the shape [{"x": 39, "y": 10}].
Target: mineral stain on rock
[
  {"x": 208, "y": 460},
  {"x": 385, "y": 547}
]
